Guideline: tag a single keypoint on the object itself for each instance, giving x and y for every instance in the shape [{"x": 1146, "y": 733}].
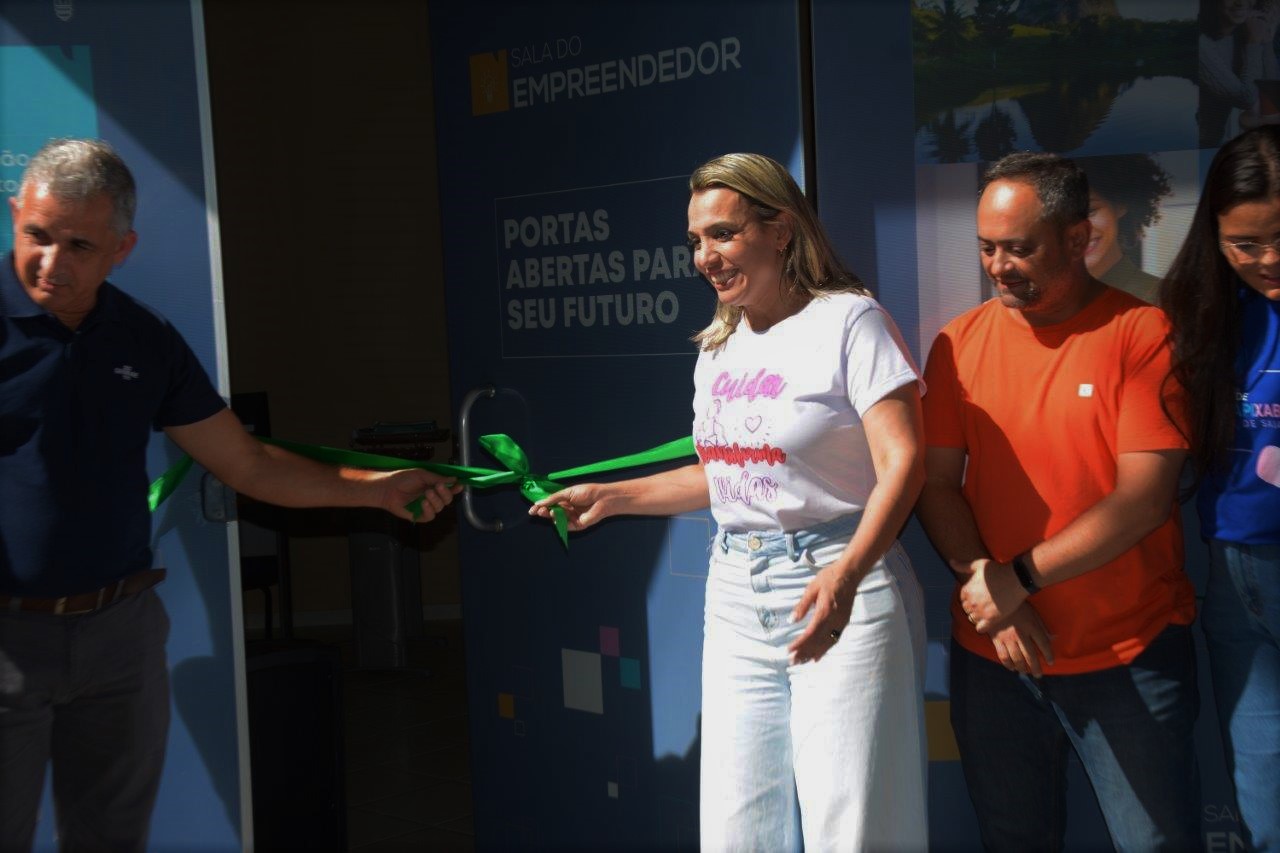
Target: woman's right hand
[
  {"x": 666, "y": 493},
  {"x": 584, "y": 504}
]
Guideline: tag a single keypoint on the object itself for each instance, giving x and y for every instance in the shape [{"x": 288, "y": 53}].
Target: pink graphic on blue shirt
[{"x": 1268, "y": 467}]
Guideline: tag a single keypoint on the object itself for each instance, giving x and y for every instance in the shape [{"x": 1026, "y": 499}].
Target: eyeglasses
[{"x": 1252, "y": 249}]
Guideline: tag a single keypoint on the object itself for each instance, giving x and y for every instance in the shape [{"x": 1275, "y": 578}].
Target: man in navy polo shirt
[{"x": 86, "y": 372}]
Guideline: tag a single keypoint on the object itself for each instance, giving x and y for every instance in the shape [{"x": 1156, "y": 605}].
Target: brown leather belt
[{"x": 85, "y": 602}]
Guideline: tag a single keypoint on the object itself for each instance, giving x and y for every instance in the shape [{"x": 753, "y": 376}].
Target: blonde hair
[{"x": 810, "y": 265}]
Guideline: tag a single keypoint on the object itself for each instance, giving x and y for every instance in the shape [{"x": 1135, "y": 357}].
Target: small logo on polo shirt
[
  {"x": 1086, "y": 390},
  {"x": 126, "y": 372}
]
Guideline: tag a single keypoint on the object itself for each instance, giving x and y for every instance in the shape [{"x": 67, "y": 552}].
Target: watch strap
[{"x": 1023, "y": 574}]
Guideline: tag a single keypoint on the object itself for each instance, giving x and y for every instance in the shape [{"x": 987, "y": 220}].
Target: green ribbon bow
[
  {"x": 500, "y": 446},
  {"x": 503, "y": 448}
]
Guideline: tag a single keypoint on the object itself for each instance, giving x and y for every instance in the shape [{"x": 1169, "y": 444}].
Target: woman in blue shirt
[{"x": 1223, "y": 296}]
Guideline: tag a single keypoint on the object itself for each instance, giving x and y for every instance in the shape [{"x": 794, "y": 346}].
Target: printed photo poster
[
  {"x": 1076, "y": 78},
  {"x": 1238, "y": 70},
  {"x": 1114, "y": 85}
]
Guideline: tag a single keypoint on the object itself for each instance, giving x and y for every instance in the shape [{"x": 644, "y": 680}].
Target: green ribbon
[
  {"x": 502, "y": 447},
  {"x": 166, "y": 483}
]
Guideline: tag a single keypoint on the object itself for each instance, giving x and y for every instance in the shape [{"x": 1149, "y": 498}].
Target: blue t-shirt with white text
[{"x": 1244, "y": 506}]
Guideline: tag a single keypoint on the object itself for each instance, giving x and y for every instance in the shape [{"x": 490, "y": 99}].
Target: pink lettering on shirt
[
  {"x": 762, "y": 384},
  {"x": 746, "y": 489}
]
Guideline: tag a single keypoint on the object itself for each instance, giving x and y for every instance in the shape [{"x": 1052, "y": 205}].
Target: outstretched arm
[
  {"x": 668, "y": 493},
  {"x": 271, "y": 474}
]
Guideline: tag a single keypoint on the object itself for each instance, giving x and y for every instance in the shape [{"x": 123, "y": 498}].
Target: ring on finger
[{"x": 834, "y": 635}]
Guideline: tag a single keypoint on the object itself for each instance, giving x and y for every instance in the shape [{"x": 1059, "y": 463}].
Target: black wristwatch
[{"x": 1024, "y": 575}]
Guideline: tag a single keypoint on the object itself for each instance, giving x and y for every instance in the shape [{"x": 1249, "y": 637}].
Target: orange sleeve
[
  {"x": 1143, "y": 422},
  {"x": 943, "y": 426}
]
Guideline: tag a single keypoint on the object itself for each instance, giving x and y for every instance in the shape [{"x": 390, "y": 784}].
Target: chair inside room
[{"x": 264, "y": 542}]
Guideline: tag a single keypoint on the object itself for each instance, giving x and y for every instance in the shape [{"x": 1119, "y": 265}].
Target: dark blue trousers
[{"x": 1131, "y": 726}]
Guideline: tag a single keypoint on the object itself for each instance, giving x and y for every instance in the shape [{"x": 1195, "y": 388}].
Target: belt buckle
[
  {"x": 754, "y": 543},
  {"x": 60, "y": 608}
]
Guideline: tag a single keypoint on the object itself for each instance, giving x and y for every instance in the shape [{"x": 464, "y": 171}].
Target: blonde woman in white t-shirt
[{"x": 808, "y": 430}]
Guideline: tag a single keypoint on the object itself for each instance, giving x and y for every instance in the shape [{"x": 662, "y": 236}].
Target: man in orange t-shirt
[{"x": 1052, "y": 468}]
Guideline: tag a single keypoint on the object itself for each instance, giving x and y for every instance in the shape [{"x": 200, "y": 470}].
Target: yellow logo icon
[{"x": 489, "y": 83}]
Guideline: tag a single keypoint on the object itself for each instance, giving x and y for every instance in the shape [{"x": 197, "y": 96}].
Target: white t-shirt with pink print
[{"x": 778, "y": 414}]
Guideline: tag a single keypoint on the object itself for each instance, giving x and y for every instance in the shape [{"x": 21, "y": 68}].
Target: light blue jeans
[
  {"x": 1241, "y": 619},
  {"x": 840, "y": 741}
]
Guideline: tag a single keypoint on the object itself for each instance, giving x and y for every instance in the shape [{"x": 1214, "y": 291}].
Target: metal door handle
[{"x": 464, "y": 453}]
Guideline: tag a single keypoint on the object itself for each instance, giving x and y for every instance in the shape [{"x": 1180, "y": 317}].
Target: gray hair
[
  {"x": 78, "y": 169},
  {"x": 1061, "y": 185}
]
